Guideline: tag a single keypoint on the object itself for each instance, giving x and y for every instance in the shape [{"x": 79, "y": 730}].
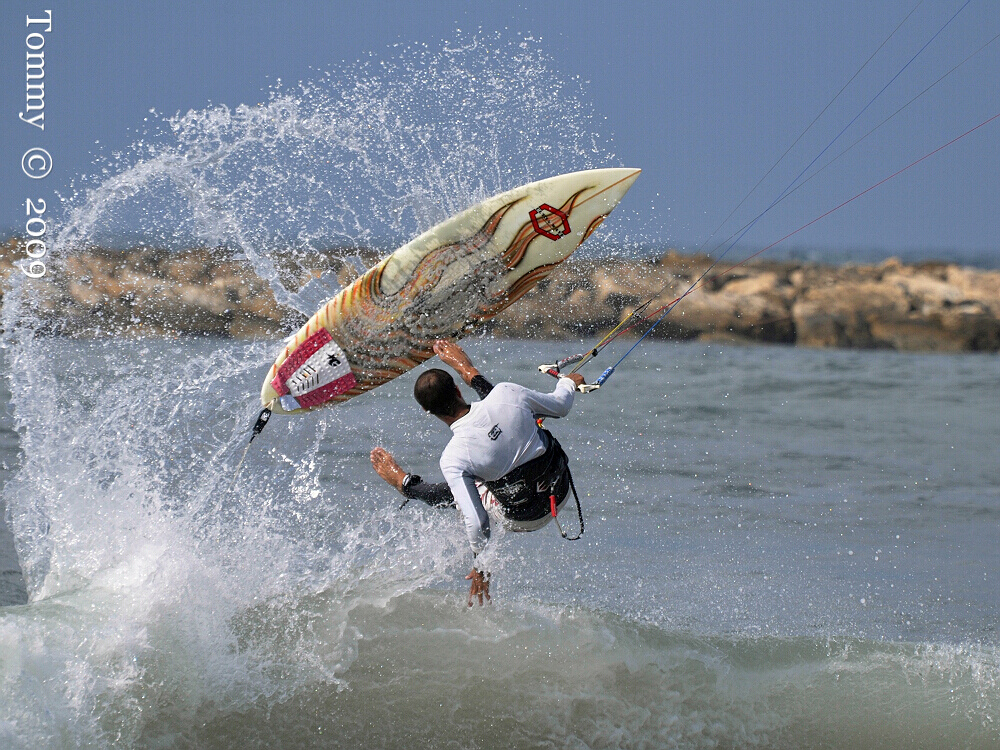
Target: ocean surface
[{"x": 784, "y": 548}]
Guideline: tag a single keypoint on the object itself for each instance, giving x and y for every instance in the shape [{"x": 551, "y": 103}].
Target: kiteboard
[{"x": 442, "y": 284}]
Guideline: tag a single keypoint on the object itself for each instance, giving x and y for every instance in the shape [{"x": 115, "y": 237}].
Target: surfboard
[{"x": 441, "y": 284}]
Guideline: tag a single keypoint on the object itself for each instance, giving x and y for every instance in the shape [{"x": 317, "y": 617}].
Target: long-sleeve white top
[{"x": 497, "y": 435}]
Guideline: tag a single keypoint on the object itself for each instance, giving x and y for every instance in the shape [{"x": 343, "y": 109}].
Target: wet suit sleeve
[
  {"x": 432, "y": 493},
  {"x": 481, "y": 386}
]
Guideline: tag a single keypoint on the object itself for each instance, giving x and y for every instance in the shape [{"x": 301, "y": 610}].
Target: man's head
[{"x": 437, "y": 393}]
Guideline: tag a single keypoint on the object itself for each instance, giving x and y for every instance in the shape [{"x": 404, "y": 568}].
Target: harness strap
[{"x": 579, "y": 510}]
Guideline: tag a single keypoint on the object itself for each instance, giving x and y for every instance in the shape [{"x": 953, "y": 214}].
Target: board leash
[{"x": 258, "y": 426}]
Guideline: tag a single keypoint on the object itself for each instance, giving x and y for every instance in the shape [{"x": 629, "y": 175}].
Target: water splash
[
  {"x": 366, "y": 156},
  {"x": 156, "y": 592}
]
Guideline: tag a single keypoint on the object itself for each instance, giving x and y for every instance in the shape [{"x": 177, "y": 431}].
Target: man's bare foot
[
  {"x": 387, "y": 468},
  {"x": 455, "y": 357}
]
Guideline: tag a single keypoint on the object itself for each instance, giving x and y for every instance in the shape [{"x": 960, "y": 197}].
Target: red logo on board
[{"x": 549, "y": 221}]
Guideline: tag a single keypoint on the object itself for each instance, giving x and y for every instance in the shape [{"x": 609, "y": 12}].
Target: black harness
[
  {"x": 532, "y": 491},
  {"x": 528, "y": 493}
]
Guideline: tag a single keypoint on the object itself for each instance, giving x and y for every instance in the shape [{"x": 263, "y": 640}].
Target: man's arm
[
  {"x": 555, "y": 404},
  {"x": 477, "y": 523},
  {"x": 432, "y": 493},
  {"x": 466, "y": 494},
  {"x": 481, "y": 386},
  {"x": 411, "y": 485},
  {"x": 455, "y": 357}
]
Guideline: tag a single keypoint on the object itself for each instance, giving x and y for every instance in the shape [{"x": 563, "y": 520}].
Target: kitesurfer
[{"x": 498, "y": 455}]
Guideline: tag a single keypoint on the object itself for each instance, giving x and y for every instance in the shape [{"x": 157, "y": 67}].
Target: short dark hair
[{"x": 437, "y": 393}]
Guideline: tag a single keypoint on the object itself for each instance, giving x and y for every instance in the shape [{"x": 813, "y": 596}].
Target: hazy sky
[{"x": 703, "y": 96}]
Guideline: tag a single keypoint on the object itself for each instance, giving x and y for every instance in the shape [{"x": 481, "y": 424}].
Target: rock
[
  {"x": 929, "y": 306},
  {"x": 762, "y": 283},
  {"x": 841, "y": 315}
]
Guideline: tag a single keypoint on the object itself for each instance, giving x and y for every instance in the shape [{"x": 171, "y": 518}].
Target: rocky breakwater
[
  {"x": 928, "y": 306},
  {"x": 924, "y": 307},
  {"x": 147, "y": 291}
]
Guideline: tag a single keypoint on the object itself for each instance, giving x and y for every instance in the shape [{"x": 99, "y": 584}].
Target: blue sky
[{"x": 704, "y": 97}]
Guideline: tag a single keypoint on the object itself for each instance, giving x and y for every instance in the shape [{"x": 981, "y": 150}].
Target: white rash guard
[{"x": 497, "y": 435}]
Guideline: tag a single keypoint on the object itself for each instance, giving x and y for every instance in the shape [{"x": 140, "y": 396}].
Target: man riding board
[{"x": 498, "y": 455}]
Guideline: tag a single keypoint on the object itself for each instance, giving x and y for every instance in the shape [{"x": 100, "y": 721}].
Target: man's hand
[
  {"x": 480, "y": 586},
  {"x": 455, "y": 357},
  {"x": 576, "y": 377}
]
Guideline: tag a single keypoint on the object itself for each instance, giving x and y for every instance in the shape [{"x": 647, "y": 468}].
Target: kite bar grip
[
  {"x": 572, "y": 359},
  {"x": 604, "y": 376},
  {"x": 554, "y": 372}
]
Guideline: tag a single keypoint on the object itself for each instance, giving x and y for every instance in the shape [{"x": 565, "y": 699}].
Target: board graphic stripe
[{"x": 612, "y": 185}]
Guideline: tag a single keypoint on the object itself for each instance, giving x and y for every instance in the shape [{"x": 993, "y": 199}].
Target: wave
[{"x": 364, "y": 663}]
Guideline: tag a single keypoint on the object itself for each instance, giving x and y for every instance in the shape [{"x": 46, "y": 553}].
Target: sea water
[{"x": 783, "y": 548}]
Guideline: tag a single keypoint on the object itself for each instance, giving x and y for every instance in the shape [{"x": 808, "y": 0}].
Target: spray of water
[
  {"x": 163, "y": 591},
  {"x": 365, "y": 156}
]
